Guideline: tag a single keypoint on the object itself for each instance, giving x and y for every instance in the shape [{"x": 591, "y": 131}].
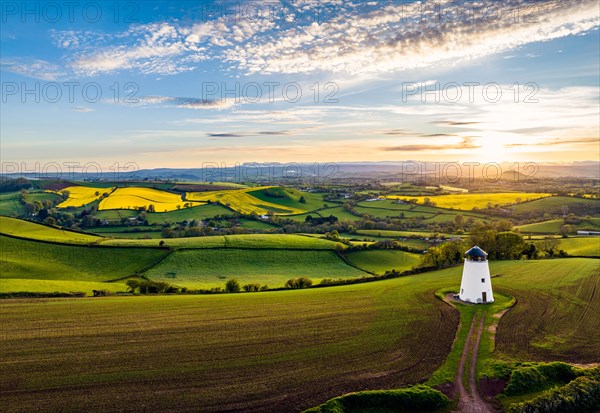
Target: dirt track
[{"x": 470, "y": 401}]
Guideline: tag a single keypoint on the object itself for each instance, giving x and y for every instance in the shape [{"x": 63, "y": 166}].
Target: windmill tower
[{"x": 476, "y": 284}]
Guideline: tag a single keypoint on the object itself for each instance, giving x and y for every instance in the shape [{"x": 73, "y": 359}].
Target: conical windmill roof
[{"x": 476, "y": 252}]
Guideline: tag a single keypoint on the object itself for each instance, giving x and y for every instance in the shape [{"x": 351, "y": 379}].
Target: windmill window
[{"x": 483, "y": 280}]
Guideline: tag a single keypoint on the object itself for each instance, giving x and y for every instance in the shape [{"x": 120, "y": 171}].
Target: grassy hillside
[
  {"x": 278, "y": 351},
  {"x": 11, "y": 206},
  {"x": 556, "y": 317},
  {"x": 289, "y": 197},
  {"x": 267, "y": 241},
  {"x": 582, "y": 246},
  {"x": 198, "y": 212},
  {"x": 553, "y": 226},
  {"x": 399, "y": 234},
  {"x": 211, "y": 268},
  {"x": 553, "y": 205},
  {"x": 26, "y": 229},
  {"x": 380, "y": 261},
  {"x": 22, "y": 259},
  {"x": 242, "y": 201}
]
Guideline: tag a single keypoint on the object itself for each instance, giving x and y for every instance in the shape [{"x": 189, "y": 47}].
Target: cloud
[
  {"x": 364, "y": 39},
  {"x": 82, "y": 109},
  {"x": 453, "y": 123},
  {"x": 556, "y": 141},
  {"x": 227, "y": 135},
  {"x": 466, "y": 143},
  {"x": 34, "y": 68},
  {"x": 390, "y": 39},
  {"x": 186, "y": 102},
  {"x": 246, "y": 134}
]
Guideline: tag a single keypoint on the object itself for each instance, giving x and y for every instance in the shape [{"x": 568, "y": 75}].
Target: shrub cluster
[
  {"x": 418, "y": 398},
  {"x": 529, "y": 378},
  {"x": 580, "y": 395},
  {"x": 151, "y": 287},
  {"x": 301, "y": 282},
  {"x": 29, "y": 294}
]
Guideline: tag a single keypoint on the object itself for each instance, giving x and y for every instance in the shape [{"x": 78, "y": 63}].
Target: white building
[{"x": 476, "y": 284}]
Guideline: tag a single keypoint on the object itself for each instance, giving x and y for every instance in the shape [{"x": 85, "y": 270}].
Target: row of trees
[{"x": 498, "y": 243}]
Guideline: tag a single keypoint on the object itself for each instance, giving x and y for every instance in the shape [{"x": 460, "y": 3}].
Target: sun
[{"x": 493, "y": 149}]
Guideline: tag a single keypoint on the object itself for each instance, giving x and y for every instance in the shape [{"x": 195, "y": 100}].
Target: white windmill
[{"x": 476, "y": 284}]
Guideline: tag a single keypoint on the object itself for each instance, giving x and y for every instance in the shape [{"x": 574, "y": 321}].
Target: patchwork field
[
  {"x": 582, "y": 246},
  {"x": 81, "y": 195},
  {"x": 22, "y": 259},
  {"x": 380, "y": 261},
  {"x": 469, "y": 201},
  {"x": 554, "y": 226},
  {"x": 212, "y": 268},
  {"x": 256, "y": 241},
  {"x": 554, "y": 204},
  {"x": 343, "y": 339},
  {"x": 25, "y": 229},
  {"x": 136, "y": 198},
  {"x": 241, "y": 200},
  {"x": 10, "y": 204}
]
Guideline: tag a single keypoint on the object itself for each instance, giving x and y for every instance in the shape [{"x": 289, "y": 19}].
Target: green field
[
  {"x": 289, "y": 197},
  {"x": 267, "y": 241},
  {"x": 116, "y": 214},
  {"x": 199, "y": 212},
  {"x": 380, "y": 261},
  {"x": 128, "y": 232},
  {"x": 10, "y": 204},
  {"x": 212, "y": 268},
  {"x": 252, "y": 224},
  {"x": 31, "y": 230},
  {"x": 553, "y": 204},
  {"x": 553, "y": 226},
  {"x": 278, "y": 351},
  {"x": 581, "y": 246},
  {"x": 400, "y": 234},
  {"x": 24, "y": 259}
]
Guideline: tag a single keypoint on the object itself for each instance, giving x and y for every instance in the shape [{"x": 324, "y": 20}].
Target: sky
[{"x": 179, "y": 84}]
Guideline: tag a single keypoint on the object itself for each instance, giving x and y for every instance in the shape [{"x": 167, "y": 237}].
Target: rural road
[{"x": 470, "y": 401}]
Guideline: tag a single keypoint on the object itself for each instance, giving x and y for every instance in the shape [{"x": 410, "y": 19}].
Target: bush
[
  {"x": 301, "y": 282},
  {"x": 153, "y": 287},
  {"x": 529, "y": 378},
  {"x": 232, "y": 286},
  {"x": 411, "y": 399},
  {"x": 579, "y": 396},
  {"x": 251, "y": 287},
  {"x": 28, "y": 294}
]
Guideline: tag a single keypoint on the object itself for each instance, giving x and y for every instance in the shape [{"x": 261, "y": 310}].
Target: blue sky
[{"x": 189, "y": 82}]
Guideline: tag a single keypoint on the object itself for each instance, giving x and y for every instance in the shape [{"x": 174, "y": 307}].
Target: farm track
[{"x": 470, "y": 401}]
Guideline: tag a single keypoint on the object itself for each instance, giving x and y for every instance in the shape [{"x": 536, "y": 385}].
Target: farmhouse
[{"x": 476, "y": 284}]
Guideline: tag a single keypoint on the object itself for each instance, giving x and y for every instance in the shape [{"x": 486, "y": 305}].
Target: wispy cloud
[
  {"x": 186, "y": 102},
  {"x": 390, "y": 39},
  {"x": 83, "y": 109},
  {"x": 375, "y": 37},
  {"x": 34, "y": 68},
  {"x": 466, "y": 143}
]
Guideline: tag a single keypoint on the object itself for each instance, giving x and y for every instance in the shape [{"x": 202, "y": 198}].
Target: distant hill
[{"x": 367, "y": 170}]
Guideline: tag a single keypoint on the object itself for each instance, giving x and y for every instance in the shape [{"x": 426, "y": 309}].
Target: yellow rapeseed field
[
  {"x": 81, "y": 195},
  {"x": 467, "y": 202},
  {"x": 239, "y": 200},
  {"x": 137, "y": 197}
]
